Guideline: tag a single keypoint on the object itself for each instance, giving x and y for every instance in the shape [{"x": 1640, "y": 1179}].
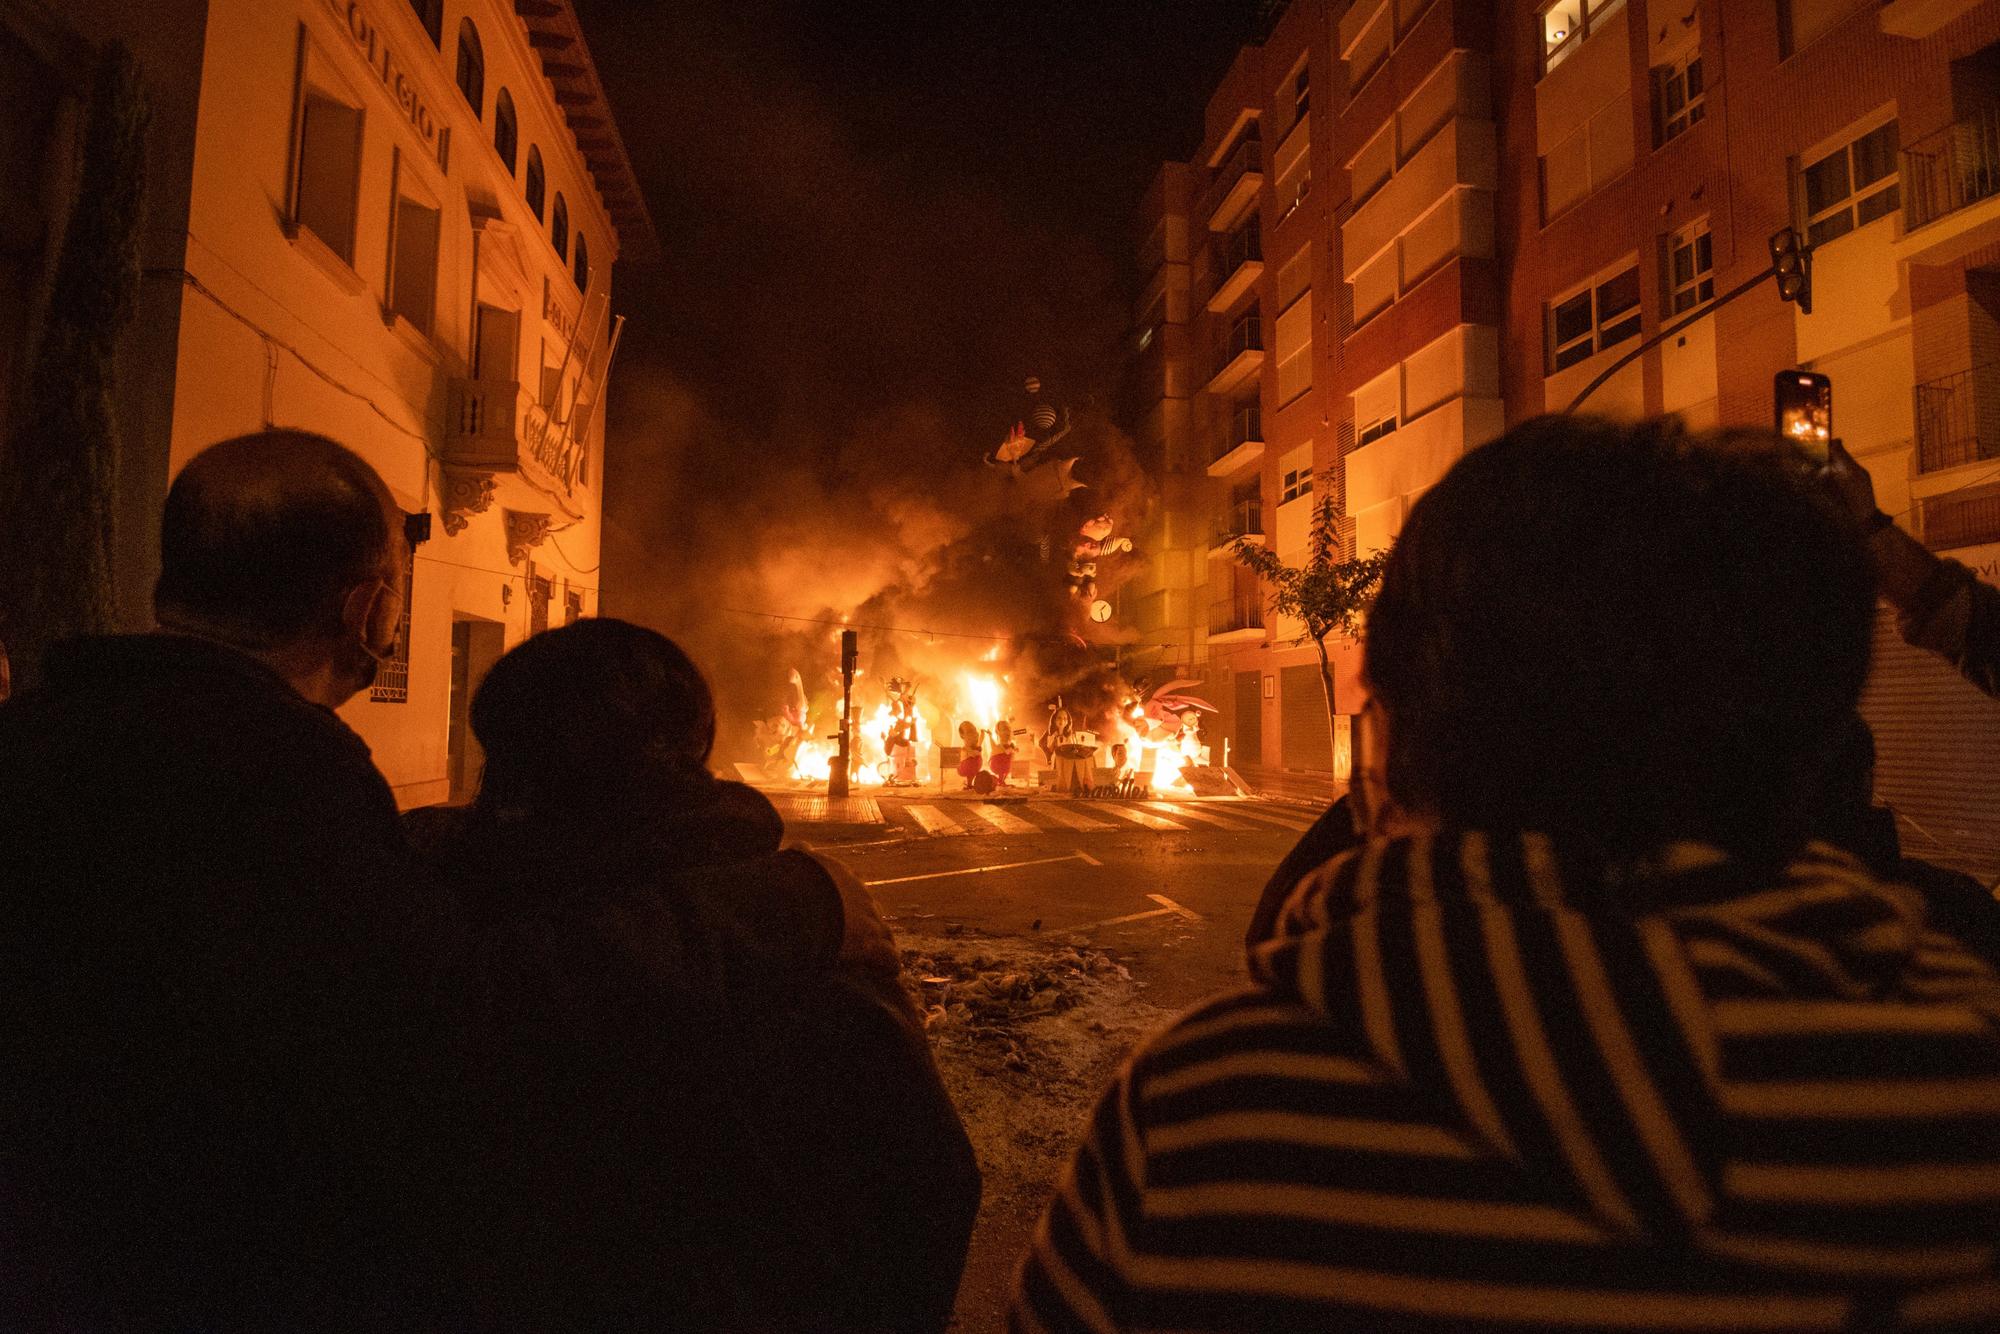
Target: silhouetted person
[
  {"x": 217, "y": 975},
  {"x": 1591, "y": 1033},
  {"x": 676, "y": 1134}
]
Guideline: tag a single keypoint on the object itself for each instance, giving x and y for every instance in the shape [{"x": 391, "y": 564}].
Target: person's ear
[{"x": 370, "y": 614}]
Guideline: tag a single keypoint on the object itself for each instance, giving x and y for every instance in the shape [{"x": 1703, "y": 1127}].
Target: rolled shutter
[{"x": 1302, "y": 703}]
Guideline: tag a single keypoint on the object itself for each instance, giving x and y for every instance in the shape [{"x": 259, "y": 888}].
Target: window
[
  {"x": 572, "y": 606},
  {"x": 559, "y": 227},
  {"x": 1294, "y": 350},
  {"x": 1852, "y": 186},
  {"x": 1690, "y": 268},
  {"x": 535, "y": 185},
  {"x": 471, "y": 67},
  {"x": 413, "y": 277},
  {"x": 430, "y": 13},
  {"x": 392, "y": 676},
  {"x": 1567, "y": 24},
  {"x": 506, "y": 133},
  {"x": 1594, "y": 319},
  {"x": 582, "y": 264},
  {"x": 329, "y": 171},
  {"x": 1375, "y": 431},
  {"x": 1298, "y": 482},
  {"x": 1301, "y": 94},
  {"x": 540, "y": 590},
  {"x": 1677, "y": 92}
]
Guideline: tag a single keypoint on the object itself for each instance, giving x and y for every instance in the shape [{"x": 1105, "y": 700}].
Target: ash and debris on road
[{"x": 1027, "y": 1032}]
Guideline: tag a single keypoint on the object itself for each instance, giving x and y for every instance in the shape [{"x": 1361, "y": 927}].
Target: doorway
[
  {"x": 498, "y": 352},
  {"x": 476, "y": 644}
]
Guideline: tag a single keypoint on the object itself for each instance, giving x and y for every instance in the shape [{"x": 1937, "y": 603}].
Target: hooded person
[
  {"x": 1592, "y": 1031},
  {"x": 676, "y": 1132}
]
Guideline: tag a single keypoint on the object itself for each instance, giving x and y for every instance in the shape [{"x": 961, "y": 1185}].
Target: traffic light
[{"x": 1791, "y": 261}]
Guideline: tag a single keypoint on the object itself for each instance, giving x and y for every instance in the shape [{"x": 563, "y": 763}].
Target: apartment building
[
  {"x": 393, "y": 222},
  {"x": 1488, "y": 206}
]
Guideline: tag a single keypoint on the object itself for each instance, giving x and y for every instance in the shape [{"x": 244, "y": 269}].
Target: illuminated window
[
  {"x": 328, "y": 183},
  {"x": 582, "y": 264},
  {"x": 471, "y": 67},
  {"x": 1690, "y": 269},
  {"x": 535, "y": 185},
  {"x": 1852, "y": 186},
  {"x": 506, "y": 134},
  {"x": 1594, "y": 319},
  {"x": 559, "y": 226},
  {"x": 431, "y": 14},
  {"x": 413, "y": 276},
  {"x": 1567, "y": 24},
  {"x": 1677, "y": 91},
  {"x": 1298, "y": 482}
]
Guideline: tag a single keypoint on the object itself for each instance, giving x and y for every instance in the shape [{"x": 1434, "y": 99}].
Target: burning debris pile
[{"x": 979, "y": 996}]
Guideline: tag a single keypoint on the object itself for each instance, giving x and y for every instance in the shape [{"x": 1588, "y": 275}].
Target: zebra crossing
[{"x": 952, "y": 818}]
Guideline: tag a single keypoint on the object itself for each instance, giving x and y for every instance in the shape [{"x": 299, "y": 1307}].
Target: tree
[
  {"x": 1327, "y": 595},
  {"x": 58, "y": 473}
]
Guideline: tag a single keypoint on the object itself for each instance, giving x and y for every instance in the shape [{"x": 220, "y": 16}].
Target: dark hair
[
  {"x": 264, "y": 535},
  {"x": 1624, "y": 633},
  {"x": 591, "y": 709}
]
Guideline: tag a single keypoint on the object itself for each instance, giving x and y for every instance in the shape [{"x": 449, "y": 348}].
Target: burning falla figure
[
  {"x": 899, "y": 742},
  {"x": 779, "y": 737}
]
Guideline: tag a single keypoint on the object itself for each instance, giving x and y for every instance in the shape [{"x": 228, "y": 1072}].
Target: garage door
[
  {"x": 1937, "y": 755},
  {"x": 1302, "y": 701}
]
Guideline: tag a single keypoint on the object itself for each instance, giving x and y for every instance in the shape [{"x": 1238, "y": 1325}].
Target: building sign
[
  {"x": 552, "y": 311},
  {"x": 389, "y": 70}
]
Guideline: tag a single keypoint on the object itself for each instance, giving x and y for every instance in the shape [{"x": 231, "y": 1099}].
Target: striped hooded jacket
[{"x": 1483, "y": 1084}]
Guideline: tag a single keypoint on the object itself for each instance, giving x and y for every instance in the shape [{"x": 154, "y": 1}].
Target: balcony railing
[
  {"x": 1952, "y": 169},
  {"x": 1958, "y": 418},
  {"x": 1248, "y": 158},
  {"x": 1245, "y": 245},
  {"x": 1961, "y": 521},
  {"x": 1246, "y": 426},
  {"x": 1246, "y": 335},
  {"x": 1243, "y": 611},
  {"x": 499, "y": 427},
  {"x": 1245, "y": 518}
]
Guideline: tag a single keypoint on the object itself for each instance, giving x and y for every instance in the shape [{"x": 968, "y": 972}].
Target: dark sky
[{"x": 863, "y": 201}]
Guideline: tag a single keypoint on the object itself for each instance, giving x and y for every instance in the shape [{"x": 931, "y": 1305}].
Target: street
[{"x": 1128, "y": 912}]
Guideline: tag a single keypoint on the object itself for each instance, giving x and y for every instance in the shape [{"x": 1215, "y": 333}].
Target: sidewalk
[{"x": 1314, "y": 790}]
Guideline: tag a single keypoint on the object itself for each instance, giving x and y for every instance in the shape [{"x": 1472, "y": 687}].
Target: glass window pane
[
  {"x": 1878, "y": 205},
  {"x": 1683, "y": 264},
  {"x": 1619, "y": 332},
  {"x": 1573, "y": 318},
  {"x": 1576, "y": 352},
  {"x": 1875, "y": 155},
  {"x": 1618, "y": 295},
  {"x": 1826, "y": 182},
  {"x": 1707, "y": 289},
  {"x": 1834, "y": 224},
  {"x": 1704, "y": 255}
]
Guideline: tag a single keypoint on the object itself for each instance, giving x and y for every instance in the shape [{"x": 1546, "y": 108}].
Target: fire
[{"x": 983, "y": 699}]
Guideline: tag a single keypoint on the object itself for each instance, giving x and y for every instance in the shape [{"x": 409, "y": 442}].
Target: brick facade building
[{"x": 1413, "y": 222}]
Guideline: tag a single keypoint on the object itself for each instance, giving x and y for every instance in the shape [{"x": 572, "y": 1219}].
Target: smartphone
[{"x": 1804, "y": 402}]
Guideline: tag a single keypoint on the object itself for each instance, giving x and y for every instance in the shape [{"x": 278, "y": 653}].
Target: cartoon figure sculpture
[
  {"x": 1043, "y": 425},
  {"x": 899, "y": 743},
  {"x": 971, "y": 742},
  {"x": 780, "y": 736},
  {"x": 1070, "y": 752},
  {"x": 1001, "y": 762}
]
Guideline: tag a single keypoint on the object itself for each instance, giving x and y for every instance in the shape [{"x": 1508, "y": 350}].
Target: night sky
[{"x": 876, "y": 220}]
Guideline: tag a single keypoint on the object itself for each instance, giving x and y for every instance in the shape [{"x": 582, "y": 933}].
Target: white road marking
[
  {"x": 1298, "y": 823},
  {"x": 1004, "y": 821},
  {"x": 1066, "y": 816},
  {"x": 1200, "y": 815},
  {"x": 1146, "y": 818},
  {"x": 936, "y": 821},
  {"x": 982, "y": 870},
  {"x": 1171, "y": 906},
  {"x": 1120, "y": 921}
]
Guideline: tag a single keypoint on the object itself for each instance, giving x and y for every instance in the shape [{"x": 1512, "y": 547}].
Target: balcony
[
  {"x": 1242, "y": 266},
  {"x": 498, "y": 428},
  {"x": 1958, "y": 419},
  {"x": 1962, "y": 519},
  {"x": 1951, "y": 190},
  {"x": 1242, "y": 356},
  {"x": 1237, "y": 182},
  {"x": 1237, "y": 618},
  {"x": 1243, "y": 519},
  {"x": 1243, "y": 446}
]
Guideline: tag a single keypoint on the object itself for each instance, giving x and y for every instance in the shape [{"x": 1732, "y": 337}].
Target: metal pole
[
  {"x": 836, "y": 782},
  {"x": 1664, "y": 334}
]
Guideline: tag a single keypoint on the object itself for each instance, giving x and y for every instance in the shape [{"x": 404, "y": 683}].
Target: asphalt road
[{"x": 1167, "y": 886}]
